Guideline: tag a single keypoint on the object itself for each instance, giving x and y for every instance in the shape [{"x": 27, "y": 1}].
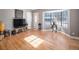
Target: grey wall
[
  {"x": 6, "y": 16},
  {"x": 74, "y": 22}
]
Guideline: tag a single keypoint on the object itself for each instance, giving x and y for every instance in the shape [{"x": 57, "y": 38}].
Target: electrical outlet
[{"x": 73, "y": 33}]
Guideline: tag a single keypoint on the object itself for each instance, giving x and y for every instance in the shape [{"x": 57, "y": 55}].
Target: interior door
[{"x": 36, "y": 17}]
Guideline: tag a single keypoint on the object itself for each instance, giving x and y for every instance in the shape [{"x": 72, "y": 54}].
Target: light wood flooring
[{"x": 52, "y": 41}]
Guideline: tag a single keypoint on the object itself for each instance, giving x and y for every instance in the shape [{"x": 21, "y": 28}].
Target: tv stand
[{"x": 18, "y": 30}]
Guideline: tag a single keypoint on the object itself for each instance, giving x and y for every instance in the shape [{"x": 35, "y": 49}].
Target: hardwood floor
[{"x": 52, "y": 41}]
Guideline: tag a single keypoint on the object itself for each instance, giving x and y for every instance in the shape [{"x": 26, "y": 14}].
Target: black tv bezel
[{"x": 18, "y": 24}]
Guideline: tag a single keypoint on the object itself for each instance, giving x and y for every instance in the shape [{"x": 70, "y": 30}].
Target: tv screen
[{"x": 19, "y": 23}]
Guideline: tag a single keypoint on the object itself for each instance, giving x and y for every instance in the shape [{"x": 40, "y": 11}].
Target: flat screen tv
[{"x": 18, "y": 23}]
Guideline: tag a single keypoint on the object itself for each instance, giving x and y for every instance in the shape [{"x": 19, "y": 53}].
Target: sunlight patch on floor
[{"x": 34, "y": 40}]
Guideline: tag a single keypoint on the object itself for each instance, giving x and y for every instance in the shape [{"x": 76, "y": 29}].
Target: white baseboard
[{"x": 73, "y": 37}]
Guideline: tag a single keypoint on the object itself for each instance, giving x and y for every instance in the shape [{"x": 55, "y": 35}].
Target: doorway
[{"x": 35, "y": 20}]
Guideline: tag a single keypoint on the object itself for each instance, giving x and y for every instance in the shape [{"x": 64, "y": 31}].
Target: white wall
[
  {"x": 29, "y": 19},
  {"x": 27, "y": 14},
  {"x": 6, "y": 16}
]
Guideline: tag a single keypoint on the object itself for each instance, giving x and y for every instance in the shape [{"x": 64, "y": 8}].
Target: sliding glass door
[
  {"x": 62, "y": 16},
  {"x": 65, "y": 20},
  {"x": 47, "y": 20}
]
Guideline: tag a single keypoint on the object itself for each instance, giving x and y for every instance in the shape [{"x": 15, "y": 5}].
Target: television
[{"x": 18, "y": 23}]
